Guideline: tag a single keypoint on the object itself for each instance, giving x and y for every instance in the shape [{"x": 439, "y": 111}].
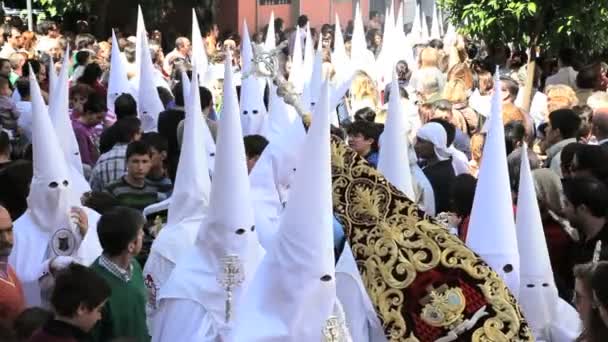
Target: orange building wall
[{"x": 231, "y": 13}]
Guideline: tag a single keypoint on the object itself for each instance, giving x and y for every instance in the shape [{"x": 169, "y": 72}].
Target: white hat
[
  {"x": 538, "y": 295},
  {"x": 296, "y": 75},
  {"x": 415, "y": 35},
  {"x": 149, "y": 103},
  {"x": 253, "y": 110},
  {"x": 59, "y": 113},
  {"x": 228, "y": 228},
  {"x": 386, "y": 59},
  {"x": 271, "y": 38},
  {"x": 435, "y": 29},
  {"x": 192, "y": 183},
  {"x": 293, "y": 292},
  {"x": 425, "y": 29},
  {"x": 450, "y": 36},
  {"x": 118, "y": 82},
  {"x": 393, "y": 160},
  {"x": 141, "y": 33},
  {"x": 280, "y": 115},
  {"x": 492, "y": 227},
  {"x": 49, "y": 198}
]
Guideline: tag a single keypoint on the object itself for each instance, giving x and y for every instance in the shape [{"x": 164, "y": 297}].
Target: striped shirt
[
  {"x": 134, "y": 197},
  {"x": 116, "y": 270},
  {"x": 109, "y": 167}
]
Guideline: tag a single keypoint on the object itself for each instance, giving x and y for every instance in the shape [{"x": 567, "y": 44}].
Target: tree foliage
[
  {"x": 550, "y": 24},
  {"x": 58, "y": 7}
]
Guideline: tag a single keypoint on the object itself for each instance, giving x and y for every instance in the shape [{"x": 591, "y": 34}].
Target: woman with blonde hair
[
  {"x": 477, "y": 142},
  {"x": 428, "y": 66},
  {"x": 30, "y": 41},
  {"x": 456, "y": 92},
  {"x": 560, "y": 96},
  {"x": 363, "y": 93},
  {"x": 461, "y": 71}
]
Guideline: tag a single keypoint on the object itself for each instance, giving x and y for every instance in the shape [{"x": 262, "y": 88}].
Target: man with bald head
[
  {"x": 181, "y": 54},
  {"x": 600, "y": 126},
  {"x": 12, "y": 301}
]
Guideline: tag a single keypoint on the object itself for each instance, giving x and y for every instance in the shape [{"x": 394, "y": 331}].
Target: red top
[{"x": 12, "y": 300}]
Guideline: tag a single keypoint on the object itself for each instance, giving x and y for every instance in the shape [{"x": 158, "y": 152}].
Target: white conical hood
[
  {"x": 280, "y": 116},
  {"x": 309, "y": 55},
  {"x": 393, "y": 160},
  {"x": 450, "y": 36},
  {"x": 425, "y": 29},
  {"x": 405, "y": 52},
  {"x": 246, "y": 49},
  {"x": 415, "y": 35},
  {"x": 491, "y": 227},
  {"x": 192, "y": 183},
  {"x": 118, "y": 82},
  {"x": 48, "y": 201},
  {"x": 435, "y": 29},
  {"x": 339, "y": 58},
  {"x": 538, "y": 295},
  {"x": 59, "y": 112},
  {"x": 199, "y": 53},
  {"x": 141, "y": 32},
  {"x": 293, "y": 292},
  {"x": 271, "y": 38},
  {"x": 296, "y": 75},
  {"x": 52, "y": 76},
  {"x": 149, "y": 103},
  {"x": 228, "y": 228},
  {"x": 253, "y": 110},
  {"x": 312, "y": 88},
  {"x": 359, "y": 52}
]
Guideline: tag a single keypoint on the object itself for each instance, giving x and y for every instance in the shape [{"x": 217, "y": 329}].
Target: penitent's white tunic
[{"x": 29, "y": 258}]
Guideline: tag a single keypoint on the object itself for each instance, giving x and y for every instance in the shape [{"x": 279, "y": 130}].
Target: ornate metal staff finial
[
  {"x": 597, "y": 252},
  {"x": 266, "y": 64},
  {"x": 332, "y": 330},
  {"x": 231, "y": 277}
]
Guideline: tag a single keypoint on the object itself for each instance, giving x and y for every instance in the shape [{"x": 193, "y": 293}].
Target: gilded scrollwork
[{"x": 400, "y": 251}]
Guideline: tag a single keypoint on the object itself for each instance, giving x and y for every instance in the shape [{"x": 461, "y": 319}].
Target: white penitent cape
[
  {"x": 29, "y": 256},
  {"x": 168, "y": 247},
  {"x": 361, "y": 318}
]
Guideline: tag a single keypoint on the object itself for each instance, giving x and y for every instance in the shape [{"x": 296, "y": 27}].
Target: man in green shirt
[{"x": 120, "y": 233}]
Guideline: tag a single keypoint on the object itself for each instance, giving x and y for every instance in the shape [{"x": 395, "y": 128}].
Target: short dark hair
[
  {"x": 92, "y": 72},
  {"x": 125, "y": 106},
  {"x": 593, "y": 158},
  {"x": 588, "y": 77},
  {"x": 23, "y": 86},
  {"x": 155, "y": 141},
  {"x": 138, "y": 148},
  {"x": 450, "y": 130},
  {"x": 206, "y": 97},
  {"x": 567, "y": 56},
  {"x": 127, "y": 128},
  {"x": 5, "y": 142},
  {"x": 254, "y": 145},
  {"x": 84, "y": 40},
  {"x": 34, "y": 64},
  {"x": 178, "y": 93},
  {"x": 462, "y": 192},
  {"x": 567, "y": 155},
  {"x": 117, "y": 228},
  {"x": 436, "y": 44},
  {"x": 302, "y": 21},
  {"x": 567, "y": 121},
  {"x": 95, "y": 104},
  {"x": 30, "y": 320},
  {"x": 75, "y": 286},
  {"x": 598, "y": 283},
  {"x": 588, "y": 191},
  {"x": 82, "y": 57},
  {"x": 165, "y": 96},
  {"x": 511, "y": 85},
  {"x": 368, "y": 130},
  {"x": 365, "y": 114},
  {"x": 100, "y": 201},
  {"x": 515, "y": 132}
]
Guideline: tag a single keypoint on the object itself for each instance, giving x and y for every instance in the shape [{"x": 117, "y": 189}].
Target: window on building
[{"x": 275, "y": 2}]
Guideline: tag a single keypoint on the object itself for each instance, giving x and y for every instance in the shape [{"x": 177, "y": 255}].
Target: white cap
[
  {"x": 296, "y": 75},
  {"x": 492, "y": 227},
  {"x": 192, "y": 183},
  {"x": 538, "y": 295},
  {"x": 149, "y": 103},
  {"x": 393, "y": 160},
  {"x": 228, "y": 228},
  {"x": 59, "y": 114},
  {"x": 271, "y": 38},
  {"x": 118, "y": 82},
  {"x": 48, "y": 201},
  {"x": 293, "y": 292}
]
